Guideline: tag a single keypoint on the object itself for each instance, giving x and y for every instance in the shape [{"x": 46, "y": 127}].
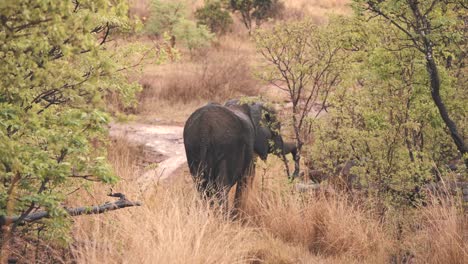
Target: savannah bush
[{"x": 214, "y": 16}]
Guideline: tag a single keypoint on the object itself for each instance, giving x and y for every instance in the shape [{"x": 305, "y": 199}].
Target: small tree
[
  {"x": 257, "y": 10},
  {"x": 214, "y": 16},
  {"x": 304, "y": 61}
]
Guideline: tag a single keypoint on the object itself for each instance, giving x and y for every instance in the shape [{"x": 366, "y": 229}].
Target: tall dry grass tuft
[
  {"x": 176, "y": 228},
  {"x": 172, "y": 226},
  {"x": 325, "y": 224},
  {"x": 441, "y": 234}
]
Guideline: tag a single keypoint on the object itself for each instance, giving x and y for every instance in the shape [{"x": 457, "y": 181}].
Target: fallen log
[{"x": 122, "y": 202}]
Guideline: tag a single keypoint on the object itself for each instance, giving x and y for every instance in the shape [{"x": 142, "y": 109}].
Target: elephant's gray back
[
  {"x": 255, "y": 109},
  {"x": 243, "y": 116},
  {"x": 220, "y": 123}
]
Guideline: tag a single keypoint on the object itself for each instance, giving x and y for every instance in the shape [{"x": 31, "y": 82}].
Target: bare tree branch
[{"x": 84, "y": 210}]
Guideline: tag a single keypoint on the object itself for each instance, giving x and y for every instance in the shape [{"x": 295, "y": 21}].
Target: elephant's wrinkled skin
[{"x": 220, "y": 142}]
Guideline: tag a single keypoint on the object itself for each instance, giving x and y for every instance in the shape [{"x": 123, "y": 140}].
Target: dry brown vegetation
[
  {"x": 317, "y": 10},
  {"x": 279, "y": 225},
  {"x": 216, "y": 75}
]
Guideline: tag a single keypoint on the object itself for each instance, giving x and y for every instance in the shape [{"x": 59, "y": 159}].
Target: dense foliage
[
  {"x": 437, "y": 30},
  {"x": 56, "y": 70},
  {"x": 171, "y": 17},
  {"x": 384, "y": 116}
]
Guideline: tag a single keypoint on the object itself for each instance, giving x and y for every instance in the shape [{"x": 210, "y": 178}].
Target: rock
[{"x": 305, "y": 187}]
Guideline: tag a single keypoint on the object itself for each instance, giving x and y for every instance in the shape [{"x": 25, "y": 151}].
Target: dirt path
[{"x": 162, "y": 145}]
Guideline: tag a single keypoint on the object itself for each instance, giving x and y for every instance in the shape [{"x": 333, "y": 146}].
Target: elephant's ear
[
  {"x": 256, "y": 114},
  {"x": 263, "y": 134},
  {"x": 262, "y": 141}
]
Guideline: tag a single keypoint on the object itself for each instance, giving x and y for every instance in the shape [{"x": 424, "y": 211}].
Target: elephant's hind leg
[
  {"x": 223, "y": 186},
  {"x": 222, "y": 196},
  {"x": 240, "y": 188},
  {"x": 243, "y": 178}
]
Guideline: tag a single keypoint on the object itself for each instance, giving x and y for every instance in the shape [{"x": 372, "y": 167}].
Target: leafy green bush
[
  {"x": 171, "y": 17},
  {"x": 55, "y": 71},
  {"x": 191, "y": 35},
  {"x": 383, "y": 115},
  {"x": 383, "y": 119},
  {"x": 214, "y": 16}
]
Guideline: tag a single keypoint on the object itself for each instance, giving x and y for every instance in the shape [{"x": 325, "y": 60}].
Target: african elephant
[{"x": 220, "y": 142}]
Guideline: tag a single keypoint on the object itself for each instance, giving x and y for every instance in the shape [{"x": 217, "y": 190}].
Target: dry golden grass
[
  {"x": 443, "y": 233},
  {"x": 325, "y": 225},
  {"x": 139, "y": 8},
  {"x": 329, "y": 5},
  {"x": 173, "y": 226},
  {"x": 316, "y": 10},
  {"x": 278, "y": 225}
]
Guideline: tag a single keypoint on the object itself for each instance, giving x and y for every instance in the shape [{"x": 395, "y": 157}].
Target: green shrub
[
  {"x": 172, "y": 18},
  {"x": 191, "y": 35},
  {"x": 214, "y": 16},
  {"x": 56, "y": 69}
]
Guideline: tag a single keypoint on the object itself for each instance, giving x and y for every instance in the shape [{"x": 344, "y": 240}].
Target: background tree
[
  {"x": 171, "y": 17},
  {"x": 437, "y": 30},
  {"x": 257, "y": 10},
  {"x": 306, "y": 62},
  {"x": 56, "y": 70},
  {"x": 214, "y": 16}
]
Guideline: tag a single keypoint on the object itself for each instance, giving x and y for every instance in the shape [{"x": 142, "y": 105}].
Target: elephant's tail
[{"x": 204, "y": 143}]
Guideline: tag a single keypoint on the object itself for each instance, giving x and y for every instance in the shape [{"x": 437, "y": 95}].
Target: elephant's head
[{"x": 267, "y": 127}]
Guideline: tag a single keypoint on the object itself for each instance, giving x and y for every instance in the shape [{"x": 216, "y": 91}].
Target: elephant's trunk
[{"x": 291, "y": 147}]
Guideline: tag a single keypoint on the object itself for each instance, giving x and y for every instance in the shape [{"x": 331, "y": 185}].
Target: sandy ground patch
[{"x": 162, "y": 147}]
